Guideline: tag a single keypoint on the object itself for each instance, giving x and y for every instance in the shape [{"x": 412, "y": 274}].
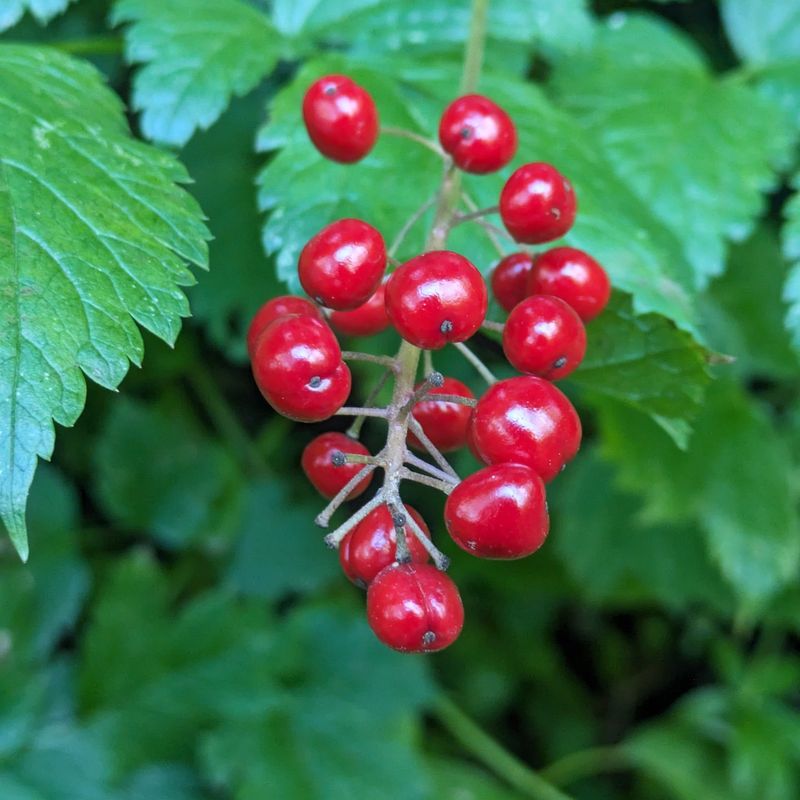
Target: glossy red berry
[
  {"x": 278, "y": 307},
  {"x": 321, "y": 469},
  {"x": 436, "y": 298},
  {"x": 366, "y": 320},
  {"x": 341, "y": 267},
  {"x": 573, "y": 276},
  {"x": 498, "y": 512},
  {"x": 537, "y": 204},
  {"x": 543, "y": 336},
  {"x": 478, "y": 134},
  {"x": 510, "y": 279},
  {"x": 341, "y": 118},
  {"x": 414, "y": 608},
  {"x": 526, "y": 420},
  {"x": 445, "y": 423},
  {"x": 370, "y": 546},
  {"x": 297, "y": 365}
]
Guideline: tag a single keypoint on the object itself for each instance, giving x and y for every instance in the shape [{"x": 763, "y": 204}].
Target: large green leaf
[
  {"x": 646, "y": 362},
  {"x": 155, "y": 471},
  {"x": 698, "y": 151},
  {"x": 196, "y": 56},
  {"x": 766, "y": 35},
  {"x": 94, "y": 237},
  {"x": 735, "y": 480},
  {"x": 11, "y": 11},
  {"x": 303, "y": 191},
  {"x": 279, "y": 550},
  {"x": 596, "y": 523},
  {"x": 744, "y": 311},
  {"x": 791, "y": 249}
]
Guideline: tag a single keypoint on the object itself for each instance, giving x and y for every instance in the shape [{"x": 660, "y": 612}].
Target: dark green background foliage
[{"x": 179, "y": 631}]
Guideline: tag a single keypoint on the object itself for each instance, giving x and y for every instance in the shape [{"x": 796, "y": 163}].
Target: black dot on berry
[
  {"x": 329, "y": 89},
  {"x": 399, "y": 520},
  {"x": 446, "y": 326},
  {"x": 554, "y": 212},
  {"x": 466, "y": 133},
  {"x": 338, "y": 458},
  {"x": 428, "y": 638},
  {"x": 436, "y": 379},
  {"x": 559, "y": 362},
  {"x": 315, "y": 382}
]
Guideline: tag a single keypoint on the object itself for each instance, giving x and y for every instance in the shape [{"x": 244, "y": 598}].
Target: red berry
[
  {"x": 573, "y": 276},
  {"x": 526, "y": 420},
  {"x": 498, "y": 512},
  {"x": 278, "y": 307},
  {"x": 342, "y": 266},
  {"x": 370, "y": 546},
  {"x": 445, "y": 423},
  {"x": 510, "y": 279},
  {"x": 478, "y": 134},
  {"x": 367, "y": 319},
  {"x": 543, "y": 336},
  {"x": 414, "y": 608},
  {"x": 537, "y": 204},
  {"x": 341, "y": 118},
  {"x": 436, "y": 298},
  {"x": 298, "y": 367},
  {"x": 326, "y": 476}
]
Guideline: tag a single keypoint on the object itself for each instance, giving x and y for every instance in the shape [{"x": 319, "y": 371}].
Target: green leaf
[
  {"x": 435, "y": 26},
  {"x": 744, "y": 311},
  {"x": 94, "y": 236},
  {"x": 303, "y": 191},
  {"x": 734, "y": 479},
  {"x": 596, "y": 523},
  {"x": 698, "y": 151},
  {"x": 155, "y": 471},
  {"x": 196, "y": 57},
  {"x": 222, "y": 163},
  {"x": 766, "y": 35},
  {"x": 11, "y": 11},
  {"x": 646, "y": 362},
  {"x": 168, "y": 675},
  {"x": 791, "y": 250},
  {"x": 279, "y": 550}
]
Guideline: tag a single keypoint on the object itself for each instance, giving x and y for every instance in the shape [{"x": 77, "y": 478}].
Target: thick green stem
[
  {"x": 493, "y": 755},
  {"x": 585, "y": 763},
  {"x": 473, "y": 54}
]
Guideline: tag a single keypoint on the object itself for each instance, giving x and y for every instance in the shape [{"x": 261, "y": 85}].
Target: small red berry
[
  {"x": 414, "y": 608},
  {"x": 574, "y": 277},
  {"x": 445, "y": 423},
  {"x": 341, "y": 118},
  {"x": 370, "y": 546},
  {"x": 297, "y": 365},
  {"x": 537, "y": 203},
  {"x": 366, "y": 320},
  {"x": 327, "y": 477},
  {"x": 478, "y": 134},
  {"x": 543, "y": 336},
  {"x": 526, "y": 420},
  {"x": 341, "y": 267},
  {"x": 498, "y": 512},
  {"x": 278, "y": 307},
  {"x": 436, "y": 298},
  {"x": 510, "y": 279}
]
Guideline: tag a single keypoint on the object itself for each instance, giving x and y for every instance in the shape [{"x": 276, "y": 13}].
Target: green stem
[
  {"x": 473, "y": 55},
  {"x": 585, "y": 763},
  {"x": 91, "y": 46},
  {"x": 492, "y": 754},
  {"x": 225, "y": 420}
]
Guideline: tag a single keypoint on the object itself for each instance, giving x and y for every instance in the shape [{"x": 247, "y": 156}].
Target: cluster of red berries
[{"x": 523, "y": 428}]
